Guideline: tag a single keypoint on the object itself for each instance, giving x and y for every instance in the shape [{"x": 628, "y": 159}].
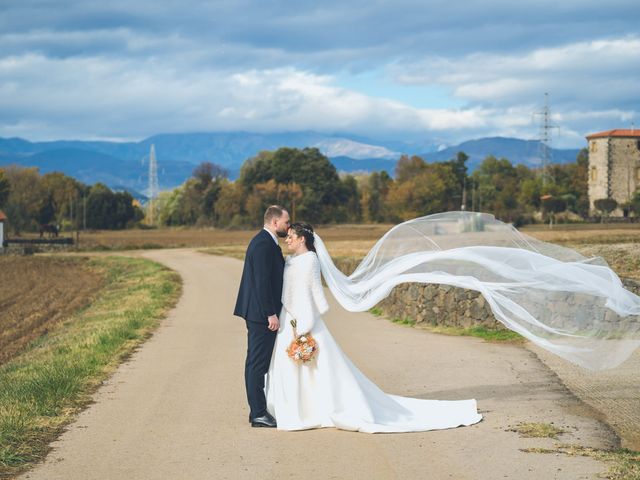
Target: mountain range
[{"x": 124, "y": 165}]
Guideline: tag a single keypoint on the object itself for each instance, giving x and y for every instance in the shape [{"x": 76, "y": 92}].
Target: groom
[{"x": 259, "y": 303}]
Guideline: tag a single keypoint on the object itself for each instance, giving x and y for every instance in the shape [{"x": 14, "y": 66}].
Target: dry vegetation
[
  {"x": 598, "y": 233},
  {"x": 617, "y": 243},
  {"x": 36, "y": 293}
]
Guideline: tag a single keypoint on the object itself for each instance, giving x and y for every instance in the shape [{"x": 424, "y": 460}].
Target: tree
[
  {"x": 606, "y": 206},
  {"x": 634, "y": 204},
  {"x": 25, "y": 198},
  {"x": 262, "y": 195},
  {"x": 62, "y": 195},
  {"x": 290, "y": 194},
  {"x": 168, "y": 207},
  {"x": 46, "y": 213},
  {"x": 351, "y": 210},
  {"x": 322, "y": 193},
  {"x": 530, "y": 192},
  {"x": 374, "y": 196},
  {"x": 206, "y": 172},
  {"x": 408, "y": 167},
  {"x": 459, "y": 170},
  {"x": 4, "y": 188},
  {"x": 552, "y": 205},
  {"x": 497, "y": 187},
  {"x": 109, "y": 210},
  {"x": 419, "y": 195},
  {"x": 228, "y": 208}
]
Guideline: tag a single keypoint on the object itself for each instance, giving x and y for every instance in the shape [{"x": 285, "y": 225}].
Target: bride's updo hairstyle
[{"x": 305, "y": 230}]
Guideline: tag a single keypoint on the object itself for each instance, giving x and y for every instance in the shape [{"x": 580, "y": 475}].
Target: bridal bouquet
[{"x": 303, "y": 347}]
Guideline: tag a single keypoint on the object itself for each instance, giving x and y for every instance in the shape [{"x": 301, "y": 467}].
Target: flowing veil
[{"x": 573, "y": 306}]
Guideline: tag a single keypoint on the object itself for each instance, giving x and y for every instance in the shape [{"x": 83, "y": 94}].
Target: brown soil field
[{"x": 37, "y": 293}]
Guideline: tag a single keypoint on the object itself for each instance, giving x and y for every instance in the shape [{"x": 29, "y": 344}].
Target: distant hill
[
  {"x": 91, "y": 167},
  {"x": 524, "y": 152},
  {"x": 124, "y": 165}
]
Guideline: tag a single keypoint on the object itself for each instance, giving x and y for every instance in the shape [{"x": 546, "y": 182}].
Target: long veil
[{"x": 573, "y": 306}]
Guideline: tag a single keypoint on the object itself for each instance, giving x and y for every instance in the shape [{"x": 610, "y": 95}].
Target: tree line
[
  {"x": 309, "y": 185},
  {"x": 31, "y": 200}
]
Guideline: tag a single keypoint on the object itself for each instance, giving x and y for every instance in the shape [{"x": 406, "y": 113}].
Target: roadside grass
[
  {"x": 407, "y": 322},
  {"x": 623, "y": 464},
  {"x": 44, "y": 388},
  {"x": 537, "y": 430},
  {"x": 487, "y": 334}
]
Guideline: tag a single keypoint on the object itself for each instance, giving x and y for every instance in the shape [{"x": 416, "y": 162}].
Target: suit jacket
[{"x": 260, "y": 293}]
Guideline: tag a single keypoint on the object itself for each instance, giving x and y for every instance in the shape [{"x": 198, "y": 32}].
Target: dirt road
[{"x": 177, "y": 410}]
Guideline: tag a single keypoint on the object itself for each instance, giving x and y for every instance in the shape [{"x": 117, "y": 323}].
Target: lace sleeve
[{"x": 317, "y": 291}]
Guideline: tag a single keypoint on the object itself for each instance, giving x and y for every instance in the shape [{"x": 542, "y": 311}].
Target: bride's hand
[{"x": 274, "y": 323}]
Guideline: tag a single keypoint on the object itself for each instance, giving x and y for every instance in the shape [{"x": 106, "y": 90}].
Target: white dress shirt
[{"x": 275, "y": 239}]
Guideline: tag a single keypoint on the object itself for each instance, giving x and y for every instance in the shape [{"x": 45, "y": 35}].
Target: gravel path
[
  {"x": 177, "y": 409},
  {"x": 614, "y": 393}
]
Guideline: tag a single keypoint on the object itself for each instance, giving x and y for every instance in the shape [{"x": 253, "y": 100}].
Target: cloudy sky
[{"x": 427, "y": 70}]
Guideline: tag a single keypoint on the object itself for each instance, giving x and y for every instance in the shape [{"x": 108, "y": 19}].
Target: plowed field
[{"x": 36, "y": 293}]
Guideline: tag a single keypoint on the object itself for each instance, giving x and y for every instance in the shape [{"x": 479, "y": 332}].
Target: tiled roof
[
  {"x": 2, "y": 216},
  {"x": 615, "y": 133}
]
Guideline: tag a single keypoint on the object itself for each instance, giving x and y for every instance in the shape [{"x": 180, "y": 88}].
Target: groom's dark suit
[{"x": 260, "y": 296}]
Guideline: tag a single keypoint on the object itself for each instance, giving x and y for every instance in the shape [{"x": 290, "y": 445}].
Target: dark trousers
[{"x": 260, "y": 341}]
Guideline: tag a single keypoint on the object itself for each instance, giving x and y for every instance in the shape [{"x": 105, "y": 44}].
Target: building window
[
  {"x": 594, "y": 174},
  {"x": 593, "y": 146}
]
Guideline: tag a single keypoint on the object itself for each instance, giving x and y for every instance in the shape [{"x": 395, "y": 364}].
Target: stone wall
[
  {"x": 598, "y": 171},
  {"x": 625, "y": 161},
  {"x": 614, "y": 170},
  {"x": 441, "y": 305}
]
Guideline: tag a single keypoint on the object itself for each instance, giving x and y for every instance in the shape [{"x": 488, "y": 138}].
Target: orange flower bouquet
[{"x": 303, "y": 347}]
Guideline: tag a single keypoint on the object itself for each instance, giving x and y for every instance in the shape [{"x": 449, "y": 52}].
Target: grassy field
[{"x": 44, "y": 387}]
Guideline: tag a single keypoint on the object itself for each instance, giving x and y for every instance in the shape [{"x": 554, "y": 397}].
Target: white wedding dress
[{"x": 330, "y": 391}]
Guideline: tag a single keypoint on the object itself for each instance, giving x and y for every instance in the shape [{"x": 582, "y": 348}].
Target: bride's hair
[{"x": 305, "y": 230}]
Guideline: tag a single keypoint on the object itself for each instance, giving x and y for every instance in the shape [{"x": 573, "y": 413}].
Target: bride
[
  {"x": 575, "y": 307},
  {"x": 329, "y": 391}
]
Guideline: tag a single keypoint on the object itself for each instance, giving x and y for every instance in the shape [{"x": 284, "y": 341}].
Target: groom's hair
[{"x": 274, "y": 211}]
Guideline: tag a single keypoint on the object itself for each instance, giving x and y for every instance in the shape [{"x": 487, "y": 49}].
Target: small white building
[{"x": 3, "y": 217}]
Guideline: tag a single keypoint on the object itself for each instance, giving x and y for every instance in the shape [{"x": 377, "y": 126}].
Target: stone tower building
[{"x": 614, "y": 166}]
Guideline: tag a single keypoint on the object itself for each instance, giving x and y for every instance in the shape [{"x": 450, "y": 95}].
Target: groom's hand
[{"x": 274, "y": 323}]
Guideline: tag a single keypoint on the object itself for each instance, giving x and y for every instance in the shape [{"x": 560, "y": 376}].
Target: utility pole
[{"x": 544, "y": 146}]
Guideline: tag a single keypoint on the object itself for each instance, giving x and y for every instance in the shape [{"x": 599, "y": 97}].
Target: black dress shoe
[{"x": 266, "y": 421}]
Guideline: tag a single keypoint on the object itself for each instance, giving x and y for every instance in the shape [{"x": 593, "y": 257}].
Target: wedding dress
[
  {"x": 573, "y": 306},
  {"x": 330, "y": 391}
]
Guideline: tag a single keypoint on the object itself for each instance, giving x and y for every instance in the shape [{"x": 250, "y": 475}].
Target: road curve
[{"x": 176, "y": 409}]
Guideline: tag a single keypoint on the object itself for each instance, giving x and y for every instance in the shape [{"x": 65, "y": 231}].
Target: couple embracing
[{"x": 328, "y": 391}]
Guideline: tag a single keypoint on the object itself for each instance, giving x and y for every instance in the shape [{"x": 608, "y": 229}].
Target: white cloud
[
  {"x": 86, "y": 69},
  {"x": 594, "y": 73},
  {"x": 110, "y": 97}
]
